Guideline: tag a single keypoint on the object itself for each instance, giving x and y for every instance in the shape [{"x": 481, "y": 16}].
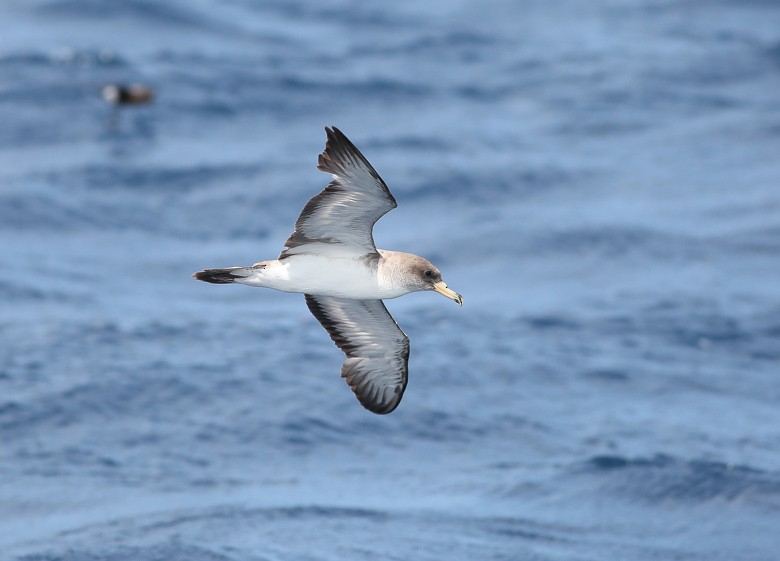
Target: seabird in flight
[{"x": 331, "y": 258}]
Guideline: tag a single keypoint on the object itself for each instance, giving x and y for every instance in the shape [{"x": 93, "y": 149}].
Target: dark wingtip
[
  {"x": 380, "y": 410},
  {"x": 333, "y": 131},
  {"x": 340, "y": 153},
  {"x": 331, "y": 160},
  {"x": 369, "y": 401},
  {"x": 336, "y": 134}
]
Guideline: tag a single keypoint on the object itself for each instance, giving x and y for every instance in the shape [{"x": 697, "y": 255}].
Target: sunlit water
[{"x": 601, "y": 181}]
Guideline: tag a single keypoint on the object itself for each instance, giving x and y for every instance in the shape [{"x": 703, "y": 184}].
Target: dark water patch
[
  {"x": 363, "y": 15},
  {"x": 198, "y": 65},
  {"x": 410, "y": 142},
  {"x": 619, "y": 462},
  {"x": 157, "y": 336},
  {"x": 697, "y": 323},
  {"x": 729, "y": 66},
  {"x": 146, "y": 11},
  {"x": 773, "y": 54},
  {"x": 773, "y": 330},
  {"x": 453, "y": 39},
  {"x": 665, "y": 478},
  {"x": 217, "y": 109},
  {"x": 24, "y": 60},
  {"x": 625, "y": 112},
  {"x": 765, "y": 240},
  {"x": 444, "y": 46},
  {"x": 701, "y": 324},
  {"x": 389, "y": 89},
  {"x": 176, "y": 202},
  {"x": 178, "y": 179},
  {"x": 544, "y": 323},
  {"x": 472, "y": 188},
  {"x": 101, "y": 401},
  {"x": 68, "y": 458},
  {"x": 98, "y": 59},
  {"x": 9, "y": 409},
  {"x": 608, "y": 375},
  {"x": 17, "y": 292},
  {"x": 312, "y": 431},
  {"x": 596, "y": 125},
  {"x": 768, "y": 354},
  {"x": 706, "y": 330},
  {"x": 621, "y": 241},
  {"x": 231, "y": 514},
  {"x": 174, "y": 551},
  {"x": 322, "y": 512},
  {"x": 526, "y": 530},
  {"x": 487, "y": 93},
  {"x": 36, "y": 116},
  {"x": 39, "y": 210},
  {"x": 27, "y": 61},
  {"x": 156, "y": 330},
  {"x": 443, "y": 426},
  {"x": 278, "y": 530}
]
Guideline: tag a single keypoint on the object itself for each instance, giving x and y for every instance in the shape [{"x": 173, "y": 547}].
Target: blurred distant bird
[
  {"x": 134, "y": 94},
  {"x": 331, "y": 258}
]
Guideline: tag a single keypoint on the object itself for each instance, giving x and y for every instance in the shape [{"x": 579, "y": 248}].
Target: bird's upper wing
[
  {"x": 341, "y": 218},
  {"x": 377, "y": 350}
]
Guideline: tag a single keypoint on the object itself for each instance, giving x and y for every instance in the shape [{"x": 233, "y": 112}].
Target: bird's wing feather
[
  {"x": 341, "y": 218},
  {"x": 377, "y": 350}
]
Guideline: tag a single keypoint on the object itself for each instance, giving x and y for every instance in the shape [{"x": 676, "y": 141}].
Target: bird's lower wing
[{"x": 377, "y": 350}]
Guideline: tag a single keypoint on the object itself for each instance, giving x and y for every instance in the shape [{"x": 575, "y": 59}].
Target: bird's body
[
  {"x": 342, "y": 276},
  {"x": 134, "y": 94},
  {"x": 331, "y": 258}
]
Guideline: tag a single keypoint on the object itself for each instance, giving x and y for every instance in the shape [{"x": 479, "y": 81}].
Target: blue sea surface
[{"x": 600, "y": 180}]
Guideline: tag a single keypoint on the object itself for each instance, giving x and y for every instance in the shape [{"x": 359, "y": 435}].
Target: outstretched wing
[
  {"x": 341, "y": 218},
  {"x": 377, "y": 350}
]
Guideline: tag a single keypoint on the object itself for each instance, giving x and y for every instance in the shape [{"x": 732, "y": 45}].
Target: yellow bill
[{"x": 441, "y": 288}]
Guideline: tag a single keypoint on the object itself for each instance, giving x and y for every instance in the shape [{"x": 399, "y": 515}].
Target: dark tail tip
[{"x": 216, "y": 276}]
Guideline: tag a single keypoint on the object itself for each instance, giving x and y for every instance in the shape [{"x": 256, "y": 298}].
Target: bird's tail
[{"x": 224, "y": 276}]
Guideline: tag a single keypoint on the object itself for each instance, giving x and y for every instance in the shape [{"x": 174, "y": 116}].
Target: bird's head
[{"x": 428, "y": 277}]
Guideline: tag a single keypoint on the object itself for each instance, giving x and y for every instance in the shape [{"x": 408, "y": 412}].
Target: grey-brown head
[{"x": 426, "y": 276}]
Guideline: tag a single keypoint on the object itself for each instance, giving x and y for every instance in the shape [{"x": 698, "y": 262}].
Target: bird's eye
[{"x": 428, "y": 273}]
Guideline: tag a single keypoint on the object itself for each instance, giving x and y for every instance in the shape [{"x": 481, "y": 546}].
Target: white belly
[{"x": 343, "y": 277}]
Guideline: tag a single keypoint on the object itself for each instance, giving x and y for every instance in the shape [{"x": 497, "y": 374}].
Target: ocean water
[{"x": 600, "y": 180}]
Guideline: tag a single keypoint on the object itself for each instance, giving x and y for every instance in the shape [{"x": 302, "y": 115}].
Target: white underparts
[{"x": 318, "y": 275}]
